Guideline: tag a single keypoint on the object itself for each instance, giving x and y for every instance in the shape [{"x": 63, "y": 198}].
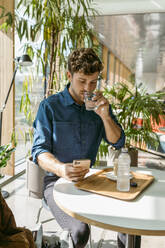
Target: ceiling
[
  {"x": 138, "y": 40},
  {"x": 115, "y": 7}
]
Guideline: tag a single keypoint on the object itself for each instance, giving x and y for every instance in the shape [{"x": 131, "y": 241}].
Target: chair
[
  {"x": 34, "y": 179},
  {"x": 34, "y": 184},
  {"x": 45, "y": 206}
]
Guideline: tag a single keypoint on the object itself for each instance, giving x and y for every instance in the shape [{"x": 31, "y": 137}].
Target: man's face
[{"x": 80, "y": 83}]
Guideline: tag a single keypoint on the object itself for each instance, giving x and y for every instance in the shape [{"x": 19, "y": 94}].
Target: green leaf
[
  {"x": 19, "y": 4},
  {"x": 5, "y": 154},
  {"x": 3, "y": 11},
  {"x": 21, "y": 103}
]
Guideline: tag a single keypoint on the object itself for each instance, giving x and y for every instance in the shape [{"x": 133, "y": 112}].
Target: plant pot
[
  {"x": 34, "y": 179},
  {"x": 134, "y": 156},
  {"x": 113, "y": 154}
]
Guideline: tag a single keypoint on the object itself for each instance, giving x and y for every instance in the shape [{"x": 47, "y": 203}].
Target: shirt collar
[{"x": 68, "y": 100}]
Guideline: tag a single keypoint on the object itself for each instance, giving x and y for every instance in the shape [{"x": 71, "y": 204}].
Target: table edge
[{"x": 112, "y": 227}]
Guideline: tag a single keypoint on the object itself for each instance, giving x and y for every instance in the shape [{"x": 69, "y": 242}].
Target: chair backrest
[{"x": 34, "y": 179}]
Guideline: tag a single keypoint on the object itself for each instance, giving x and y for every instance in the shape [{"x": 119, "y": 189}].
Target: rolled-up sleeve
[
  {"x": 42, "y": 140},
  {"x": 121, "y": 141}
]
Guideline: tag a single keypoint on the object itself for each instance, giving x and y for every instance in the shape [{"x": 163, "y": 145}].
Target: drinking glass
[{"x": 90, "y": 104}]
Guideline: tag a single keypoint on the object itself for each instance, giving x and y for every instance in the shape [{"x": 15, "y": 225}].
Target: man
[{"x": 64, "y": 131}]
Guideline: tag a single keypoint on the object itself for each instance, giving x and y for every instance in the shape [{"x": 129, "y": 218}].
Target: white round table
[{"x": 143, "y": 216}]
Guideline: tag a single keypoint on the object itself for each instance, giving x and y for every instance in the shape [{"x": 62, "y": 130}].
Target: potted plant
[
  {"x": 137, "y": 112},
  {"x": 5, "y": 154}
]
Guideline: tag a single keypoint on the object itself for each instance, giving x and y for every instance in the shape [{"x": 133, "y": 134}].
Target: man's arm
[
  {"x": 48, "y": 162},
  {"x": 112, "y": 129}
]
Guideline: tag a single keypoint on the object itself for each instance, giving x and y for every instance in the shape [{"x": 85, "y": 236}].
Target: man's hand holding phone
[
  {"x": 77, "y": 170},
  {"x": 83, "y": 163},
  {"x": 81, "y": 168}
]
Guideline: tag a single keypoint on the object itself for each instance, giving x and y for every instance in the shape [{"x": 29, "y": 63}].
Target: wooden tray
[{"x": 98, "y": 183}]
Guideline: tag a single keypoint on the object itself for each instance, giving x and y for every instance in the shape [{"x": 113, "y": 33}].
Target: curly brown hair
[{"x": 84, "y": 60}]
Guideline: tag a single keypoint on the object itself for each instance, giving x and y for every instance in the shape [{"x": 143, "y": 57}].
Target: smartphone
[{"x": 85, "y": 163}]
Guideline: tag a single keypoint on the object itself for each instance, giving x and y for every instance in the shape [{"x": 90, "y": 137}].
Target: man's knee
[{"x": 81, "y": 235}]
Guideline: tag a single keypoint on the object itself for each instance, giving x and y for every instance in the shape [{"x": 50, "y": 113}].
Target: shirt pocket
[{"x": 63, "y": 136}]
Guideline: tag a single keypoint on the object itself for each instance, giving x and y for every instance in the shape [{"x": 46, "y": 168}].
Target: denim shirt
[{"x": 68, "y": 130}]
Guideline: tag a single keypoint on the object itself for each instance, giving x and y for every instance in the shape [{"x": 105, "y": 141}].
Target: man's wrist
[
  {"x": 107, "y": 118},
  {"x": 60, "y": 169}
]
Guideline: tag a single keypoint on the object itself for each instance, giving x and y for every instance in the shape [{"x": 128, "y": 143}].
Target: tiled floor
[{"x": 25, "y": 210}]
